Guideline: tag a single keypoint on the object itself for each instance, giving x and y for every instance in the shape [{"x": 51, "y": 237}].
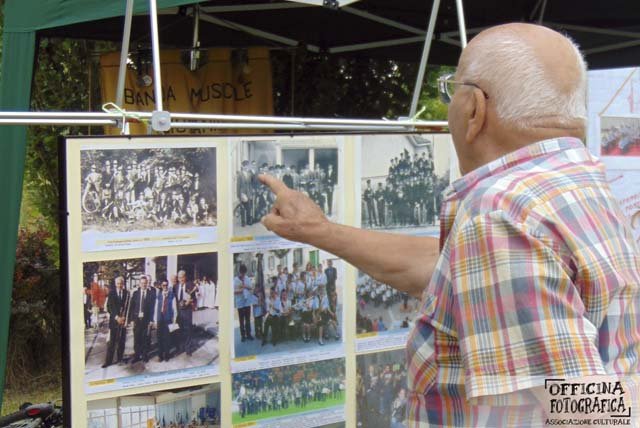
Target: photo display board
[{"x": 183, "y": 310}]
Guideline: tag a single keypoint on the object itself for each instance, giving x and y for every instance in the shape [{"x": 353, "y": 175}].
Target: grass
[
  {"x": 314, "y": 405},
  {"x": 14, "y": 397}
]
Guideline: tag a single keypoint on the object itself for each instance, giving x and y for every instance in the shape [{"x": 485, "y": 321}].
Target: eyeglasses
[{"x": 447, "y": 87}]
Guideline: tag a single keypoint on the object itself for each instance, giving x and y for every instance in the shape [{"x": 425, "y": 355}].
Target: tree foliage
[
  {"x": 36, "y": 325},
  {"x": 321, "y": 85}
]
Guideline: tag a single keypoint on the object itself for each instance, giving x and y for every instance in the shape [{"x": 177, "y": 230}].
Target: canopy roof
[{"x": 608, "y": 32}]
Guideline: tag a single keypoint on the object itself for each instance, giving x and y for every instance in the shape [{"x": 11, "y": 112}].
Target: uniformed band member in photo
[
  {"x": 282, "y": 388},
  {"x": 254, "y": 200},
  {"x": 409, "y": 195},
  {"x": 150, "y": 192},
  {"x": 301, "y": 305}
]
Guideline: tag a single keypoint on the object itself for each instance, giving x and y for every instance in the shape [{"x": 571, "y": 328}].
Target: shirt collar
[{"x": 459, "y": 188}]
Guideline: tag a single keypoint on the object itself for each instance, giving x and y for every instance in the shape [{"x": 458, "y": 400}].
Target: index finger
[{"x": 276, "y": 186}]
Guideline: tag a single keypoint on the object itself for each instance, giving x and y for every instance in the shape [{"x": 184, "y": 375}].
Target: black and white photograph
[
  {"x": 191, "y": 407},
  {"x": 310, "y": 394},
  {"x": 311, "y": 165},
  {"x": 137, "y": 194},
  {"x": 382, "y": 311},
  {"x": 150, "y": 316},
  {"x": 381, "y": 391},
  {"x": 401, "y": 186},
  {"x": 287, "y": 301}
]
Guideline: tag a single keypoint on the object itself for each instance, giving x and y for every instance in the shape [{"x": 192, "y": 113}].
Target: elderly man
[
  {"x": 141, "y": 313},
  {"x": 535, "y": 275}
]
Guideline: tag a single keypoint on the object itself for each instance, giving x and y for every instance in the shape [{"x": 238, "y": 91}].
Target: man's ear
[{"x": 478, "y": 115}]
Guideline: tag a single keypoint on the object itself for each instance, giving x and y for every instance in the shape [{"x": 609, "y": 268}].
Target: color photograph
[
  {"x": 383, "y": 308},
  {"x": 620, "y": 136},
  {"x": 153, "y": 315},
  {"x": 193, "y": 407},
  {"x": 302, "y": 392},
  {"x": 286, "y": 301},
  {"x": 382, "y": 390}
]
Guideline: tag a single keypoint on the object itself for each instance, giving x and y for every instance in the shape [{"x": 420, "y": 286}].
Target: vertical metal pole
[
  {"x": 541, "y": 17},
  {"x": 425, "y": 55},
  {"x": 155, "y": 47},
  {"x": 195, "y": 53},
  {"x": 461, "y": 24},
  {"x": 124, "y": 53}
]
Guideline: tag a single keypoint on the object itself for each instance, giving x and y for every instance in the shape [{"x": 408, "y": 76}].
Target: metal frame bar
[
  {"x": 425, "y": 56},
  {"x": 253, "y": 7},
  {"x": 254, "y": 31},
  {"x": 543, "y": 8},
  {"x": 374, "y": 45},
  {"x": 461, "y": 23},
  {"x": 192, "y": 120},
  {"x": 155, "y": 47},
  {"x": 382, "y": 20},
  {"x": 613, "y": 47},
  {"x": 594, "y": 30},
  {"x": 320, "y": 2},
  {"x": 124, "y": 53}
]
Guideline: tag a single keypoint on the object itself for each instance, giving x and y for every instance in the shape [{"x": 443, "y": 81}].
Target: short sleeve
[{"x": 518, "y": 315}]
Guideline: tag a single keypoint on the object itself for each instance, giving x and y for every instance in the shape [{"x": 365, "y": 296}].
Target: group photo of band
[
  {"x": 402, "y": 187},
  {"x": 150, "y": 315},
  {"x": 146, "y": 189},
  {"x": 313, "y": 171},
  {"x": 286, "y": 300},
  {"x": 381, "y": 307},
  {"x": 381, "y": 390},
  {"x": 288, "y": 390},
  {"x": 191, "y": 407}
]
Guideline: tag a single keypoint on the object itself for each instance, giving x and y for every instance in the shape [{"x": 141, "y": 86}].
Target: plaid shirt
[{"x": 538, "y": 278}]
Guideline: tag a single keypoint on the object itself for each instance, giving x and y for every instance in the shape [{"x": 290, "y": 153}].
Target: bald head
[{"x": 535, "y": 76}]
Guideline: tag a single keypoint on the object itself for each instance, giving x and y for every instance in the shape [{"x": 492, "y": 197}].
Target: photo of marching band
[
  {"x": 619, "y": 136},
  {"x": 382, "y": 308},
  {"x": 381, "y": 390},
  {"x": 191, "y": 407},
  {"x": 282, "y": 392},
  {"x": 401, "y": 187},
  {"x": 286, "y": 300},
  {"x": 150, "y": 315},
  {"x": 304, "y": 164}
]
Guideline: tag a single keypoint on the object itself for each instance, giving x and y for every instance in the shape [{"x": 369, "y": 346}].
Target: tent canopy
[{"x": 608, "y": 32}]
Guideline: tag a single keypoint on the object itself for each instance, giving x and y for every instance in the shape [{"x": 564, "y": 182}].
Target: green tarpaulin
[{"x": 22, "y": 19}]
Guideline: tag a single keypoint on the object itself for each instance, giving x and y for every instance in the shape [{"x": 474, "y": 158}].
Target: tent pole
[
  {"x": 461, "y": 24},
  {"x": 124, "y": 53},
  {"x": 155, "y": 47},
  {"x": 425, "y": 55}
]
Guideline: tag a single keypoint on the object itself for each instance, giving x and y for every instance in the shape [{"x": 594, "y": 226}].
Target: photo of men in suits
[
  {"x": 155, "y": 319},
  {"x": 166, "y": 313},
  {"x": 143, "y": 303},
  {"x": 117, "y": 302},
  {"x": 185, "y": 292}
]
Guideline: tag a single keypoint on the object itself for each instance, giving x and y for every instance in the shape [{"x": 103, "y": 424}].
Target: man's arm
[{"x": 403, "y": 262}]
